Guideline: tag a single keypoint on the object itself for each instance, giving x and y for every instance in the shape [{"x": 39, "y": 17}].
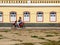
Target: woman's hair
[{"x": 19, "y": 17}]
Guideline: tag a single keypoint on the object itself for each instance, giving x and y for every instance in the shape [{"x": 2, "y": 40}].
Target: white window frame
[
  {"x": 40, "y": 16},
  {"x": 53, "y": 16},
  {"x": 12, "y": 16},
  {"x": 1, "y": 16},
  {"x": 26, "y": 16}
]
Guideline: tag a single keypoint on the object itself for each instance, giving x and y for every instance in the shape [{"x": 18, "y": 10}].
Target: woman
[{"x": 19, "y": 21}]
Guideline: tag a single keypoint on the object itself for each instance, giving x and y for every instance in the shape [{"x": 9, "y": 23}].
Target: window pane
[
  {"x": 14, "y": 15},
  {"x": 39, "y": 15},
  {"x": 27, "y": 15},
  {"x": 11, "y": 15},
  {"x": 0, "y": 15},
  {"x": 52, "y": 15}
]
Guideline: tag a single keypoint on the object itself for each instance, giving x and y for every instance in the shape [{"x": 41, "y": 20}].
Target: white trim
[{"x": 29, "y": 4}]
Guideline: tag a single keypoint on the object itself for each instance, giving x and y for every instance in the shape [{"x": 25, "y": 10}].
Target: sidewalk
[{"x": 42, "y": 28}]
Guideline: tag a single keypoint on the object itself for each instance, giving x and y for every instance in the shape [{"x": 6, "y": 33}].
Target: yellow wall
[{"x": 32, "y": 10}]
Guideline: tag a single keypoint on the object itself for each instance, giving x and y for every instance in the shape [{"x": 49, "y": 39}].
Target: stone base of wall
[{"x": 32, "y": 25}]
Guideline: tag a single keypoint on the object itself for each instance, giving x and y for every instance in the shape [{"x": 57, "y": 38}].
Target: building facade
[{"x": 33, "y": 12}]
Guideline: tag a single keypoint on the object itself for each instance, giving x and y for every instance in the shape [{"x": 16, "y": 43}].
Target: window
[
  {"x": 1, "y": 16},
  {"x": 39, "y": 16},
  {"x": 12, "y": 16},
  {"x": 26, "y": 16},
  {"x": 52, "y": 16}
]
